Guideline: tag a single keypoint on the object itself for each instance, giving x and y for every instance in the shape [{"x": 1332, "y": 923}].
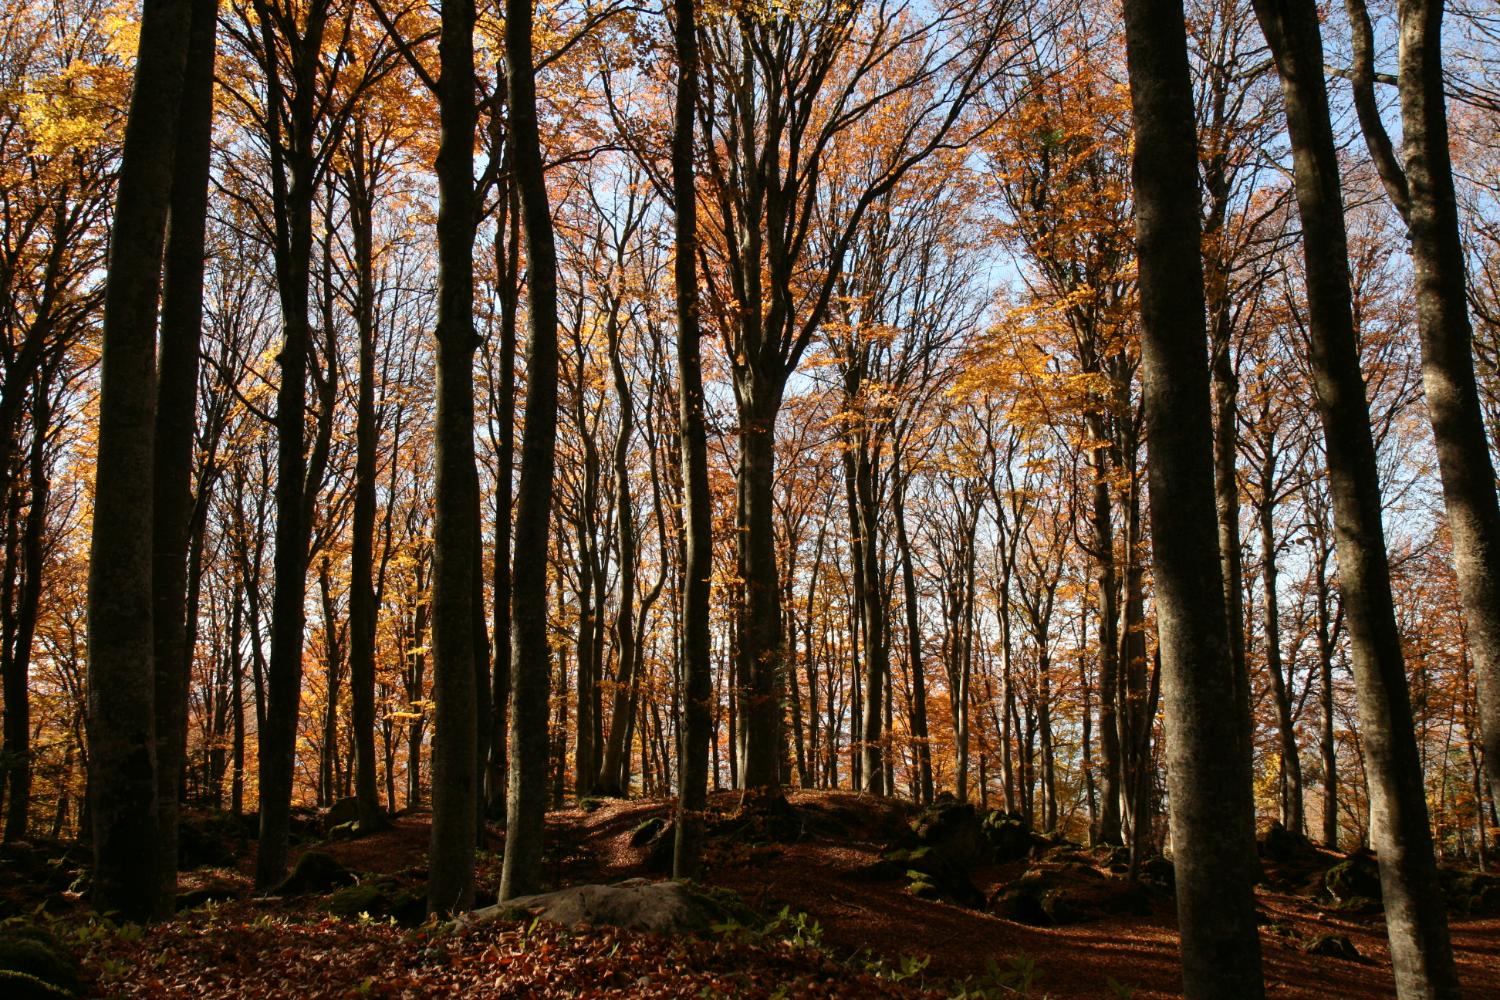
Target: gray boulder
[{"x": 636, "y": 904}]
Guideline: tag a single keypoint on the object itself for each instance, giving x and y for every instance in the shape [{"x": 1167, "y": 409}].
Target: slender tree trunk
[
  {"x": 759, "y": 627},
  {"x": 610, "y": 782},
  {"x": 507, "y": 264},
  {"x": 1447, "y": 357},
  {"x": 455, "y": 532},
  {"x": 362, "y": 609},
  {"x": 697, "y": 678},
  {"x": 913, "y": 639},
  {"x": 1291, "y": 759},
  {"x": 122, "y": 729},
  {"x": 293, "y": 183},
  {"x": 1416, "y": 918},
  {"x": 1212, "y": 811},
  {"x": 17, "y": 780},
  {"x": 877, "y": 649},
  {"x": 176, "y": 421},
  {"x": 530, "y": 656}
]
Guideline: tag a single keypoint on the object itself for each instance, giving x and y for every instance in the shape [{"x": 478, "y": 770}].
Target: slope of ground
[{"x": 841, "y": 933}]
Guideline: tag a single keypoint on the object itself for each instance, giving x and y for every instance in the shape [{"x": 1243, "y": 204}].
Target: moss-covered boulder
[
  {"x": 381, "y": 897},
  {"x": 1356, "y": 877},
  {"x": 934, "y": 875},
  {"x": 34, "y": 964},
  {"x": 1053, "y": 895},
  {"x": 1007, "y": 836},
  {"x": 1158, "y": 872},
  {"x": 314, "y": 872},
  {"x": 645, "y": 831},
  {"x": 1285, "y": 846},
  {"x": 1333, "y": 946},
  {"x": 952, "y": 828}
]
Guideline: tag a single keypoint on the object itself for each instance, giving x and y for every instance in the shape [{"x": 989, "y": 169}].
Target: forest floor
[{"x": 864, "y": 934}]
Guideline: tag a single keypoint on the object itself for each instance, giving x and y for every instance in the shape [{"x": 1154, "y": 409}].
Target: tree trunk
[
  {"x": 362, "y": 609},
  {"x": 1416, "y": 918},
  {"x": 1463, "y": 453},
  {"x": 18, "y": 759},
  {"x": 530, "y": 657},
  {"x": 455, "y": 532},
  {"x": 176, "y": 421},
  {"x": 1291, "y": 759},
  {"x": 1212, "y": 810},
  {"x": 122, "y": 730}
]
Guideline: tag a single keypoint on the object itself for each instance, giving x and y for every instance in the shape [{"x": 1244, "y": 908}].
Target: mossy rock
[
  {"x": 34, "y": 965},
  {"x": 590, "y": 803},
  {"x": 1159, "y": 871},
  {"x": 343, "y": 831},
  {"x": 209, "y": 840},
  {"x": 1058, "y": 895},
  {"x": 1358, "y": 906},
  {"x": 952, "y": 827},
  {"x": 1357, "y": 876},
  {"x": 1283, "y": 845},
  {"x": 380, "y": 897},
  {"x": 646, "y": 831},
  {"x": 1333, "y": 946},
  {"x": 950, "y": 881},
  {"x": 315, "y": 871},
  {"x": 1007, "y": 836}
]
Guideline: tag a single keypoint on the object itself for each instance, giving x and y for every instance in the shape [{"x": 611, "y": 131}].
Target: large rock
[
  {"x": 1283, "y": 845},
  {"x": 933, "y": 875},
  {"x": 1007, "y": 836},
  {"x": 314, "y": 872},
  {"x": 1051, "y": 895},
  {"x": 345, "y": 810},
  {"x": 34, "y": 965},
  {"x": 952, "y": 828},
  {"x": 1356, "y": 877},
  {"x": 636, "y": 904},
  {"x": 380, "y": 896}
]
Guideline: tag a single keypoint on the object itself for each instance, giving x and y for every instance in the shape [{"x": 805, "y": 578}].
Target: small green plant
[
  {"x": 1018, "y": 978},
  {"x": 1118, "y": 988}
]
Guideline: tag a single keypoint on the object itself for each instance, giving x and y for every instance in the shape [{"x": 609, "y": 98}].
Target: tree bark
[
  {"x": 176, "y": 421},
  {"x": 456, "y": 537},
  {"x": 1416, "y": 917},
  {"x": 1212, "y": 812},
  {"x": 122, "y": 730},
  {"x": 530, "y": 657}
]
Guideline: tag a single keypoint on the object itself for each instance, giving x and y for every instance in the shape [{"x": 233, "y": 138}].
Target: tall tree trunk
[
  {"x": 1416, "y": 918},
  {"x": 293, "y": 184},
  {"x": 913, "y": 637},
  {"x": 176, "y": 421},
  {"x": 362, "y": 609},
  {"x": 507, "y": 265},
  {"x": 1447, "y": 357},
  {"x": 455, "y": 531},
  {"x": 1212, "y": 811},
  {"x": 610, "y": 782},
  {"x": 1291, "y": 759},
  {"x": 697, "y": 678},
  {"x": 122, "y": 729},
  {"x": 877, "y": 649},
  {"x": 759, "y": 626},
  {"x": 18, "y": 759},
  {"x": 530, "y": 657}
]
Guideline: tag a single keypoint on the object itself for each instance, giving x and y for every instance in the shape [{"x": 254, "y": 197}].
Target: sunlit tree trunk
[
  {"x": 1416, "y": 917},
  {"x": 1212, "y": 812}
]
